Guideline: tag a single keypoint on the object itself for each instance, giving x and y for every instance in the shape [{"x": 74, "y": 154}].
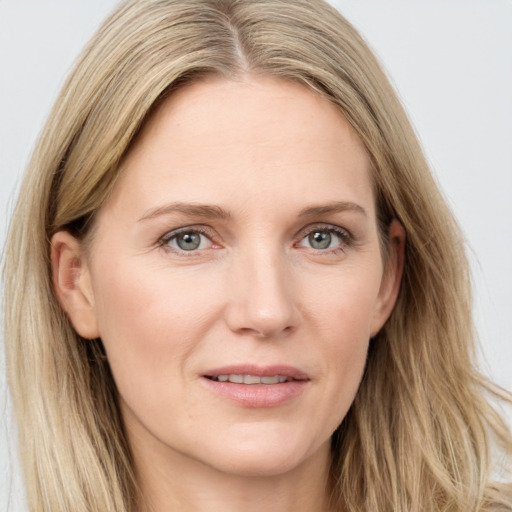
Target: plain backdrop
[{"x": 451, "y": 62}]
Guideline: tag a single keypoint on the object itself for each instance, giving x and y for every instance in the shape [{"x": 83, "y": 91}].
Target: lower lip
[{"x": 257, "y": 395}]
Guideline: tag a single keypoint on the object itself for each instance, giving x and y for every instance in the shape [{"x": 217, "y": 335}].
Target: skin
[{"x": 258, "y": 290}]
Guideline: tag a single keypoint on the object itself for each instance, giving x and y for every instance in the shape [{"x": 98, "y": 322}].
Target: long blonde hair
[{"x": 421, "y": 433}]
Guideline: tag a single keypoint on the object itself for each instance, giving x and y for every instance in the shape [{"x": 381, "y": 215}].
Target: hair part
[{"x": 419, "y": 434}]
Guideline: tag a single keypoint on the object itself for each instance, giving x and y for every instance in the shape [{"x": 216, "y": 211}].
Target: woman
[{"x": 227, "y": 289}]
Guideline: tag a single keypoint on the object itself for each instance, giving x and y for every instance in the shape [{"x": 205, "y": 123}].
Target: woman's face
[{"x": 239, "y": 250}]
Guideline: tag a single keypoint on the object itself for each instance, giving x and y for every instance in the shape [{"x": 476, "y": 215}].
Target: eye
[
  {"x": 322, "y": 239},
  {"x": 187, "y": 240}
]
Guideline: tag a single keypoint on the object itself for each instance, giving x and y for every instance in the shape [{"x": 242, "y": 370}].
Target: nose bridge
[{"x": 262, "y": 302}]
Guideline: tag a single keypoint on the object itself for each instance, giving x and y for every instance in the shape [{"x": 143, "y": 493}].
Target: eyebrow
[
  {"x": 334, "y": 207},
  {"x": 195, "y": 210},
  {"x": 208, "y": 211}
]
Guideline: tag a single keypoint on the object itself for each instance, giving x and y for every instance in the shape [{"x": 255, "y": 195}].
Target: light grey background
[{"x": 451, "y": 61}]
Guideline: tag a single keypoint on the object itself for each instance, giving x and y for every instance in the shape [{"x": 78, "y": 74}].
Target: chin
[
  {"x": 259, "y": 466},
  {"x": 266, "y": 458}
]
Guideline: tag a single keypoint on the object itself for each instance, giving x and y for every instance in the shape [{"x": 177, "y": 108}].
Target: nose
[{"x": 262, "y": 299}]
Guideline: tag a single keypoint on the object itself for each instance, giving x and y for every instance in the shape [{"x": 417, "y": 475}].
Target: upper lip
[{"x": 259, "y": 371}]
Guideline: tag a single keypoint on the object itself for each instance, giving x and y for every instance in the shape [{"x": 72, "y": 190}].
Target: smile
[
  {"x": 252, "y": 386},
  {"x": 251, "y": 379}
]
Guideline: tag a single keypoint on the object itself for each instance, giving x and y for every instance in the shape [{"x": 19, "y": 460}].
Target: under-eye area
[{"x": 320, "y": 237}]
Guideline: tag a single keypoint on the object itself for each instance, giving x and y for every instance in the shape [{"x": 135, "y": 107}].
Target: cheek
[
  {"x": 343, "y": 301},
  {"x": 150, "y": 320},
  {"x": 149, "y": 296},
  {"x": 341, "y": 308}
]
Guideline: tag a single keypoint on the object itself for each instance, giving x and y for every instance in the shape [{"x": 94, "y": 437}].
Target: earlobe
[
  {"x": 392, "y": 277},
  {"x": 72, "y": 284}
]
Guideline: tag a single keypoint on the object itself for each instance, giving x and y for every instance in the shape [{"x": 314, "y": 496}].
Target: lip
[
  {"x": 257, "y": 395},
  {"x": 259, "y": 371}
]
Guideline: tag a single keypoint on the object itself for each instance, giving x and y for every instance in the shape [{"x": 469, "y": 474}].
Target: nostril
[
  {"x": 265, "y": 333},
  {"x": 265, "y": 309}
]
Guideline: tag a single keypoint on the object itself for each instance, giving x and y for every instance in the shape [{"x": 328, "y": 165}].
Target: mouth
[
  {"x": 257, "y": 387},
  {"x": 253, "y": 374},
  {"x": 250, "y": 379}
]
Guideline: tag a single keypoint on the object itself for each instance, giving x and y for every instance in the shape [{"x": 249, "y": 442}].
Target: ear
[
  {"x": 72, "y": 283},
  {"x": 392, "y": 276}
]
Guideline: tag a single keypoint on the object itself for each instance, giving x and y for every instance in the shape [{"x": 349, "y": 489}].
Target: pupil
[
  {"x": 320, "y": 239},
  {"x": 188, "y": 241}
]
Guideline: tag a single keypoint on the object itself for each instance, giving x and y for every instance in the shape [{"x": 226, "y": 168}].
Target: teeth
[{"x": 251, "y": 379}]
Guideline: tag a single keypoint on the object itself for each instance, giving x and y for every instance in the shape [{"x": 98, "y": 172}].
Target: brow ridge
[
  {"x": 334, "y": 207},
  {"x": 216, "y": 212},
  {"x": 192, "y": 209}
]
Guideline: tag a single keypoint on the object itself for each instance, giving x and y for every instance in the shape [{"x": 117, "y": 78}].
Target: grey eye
[
  {"x": 189, "y": 241},
  {"x": 330, "y": 237},
  {"x": 320, "y": 239}
]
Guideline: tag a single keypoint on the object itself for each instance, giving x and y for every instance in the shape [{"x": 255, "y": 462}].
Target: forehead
[
  {"x": 254, "y": 139},
  {"x": 252, "y": 109}
]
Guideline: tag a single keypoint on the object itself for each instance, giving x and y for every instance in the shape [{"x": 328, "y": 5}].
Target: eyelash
[
  {"x": 168, "y": 237},
  {"x": 345, "y": 238}
]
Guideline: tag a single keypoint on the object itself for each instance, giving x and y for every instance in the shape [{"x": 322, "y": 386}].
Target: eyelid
[
  {"x": 164, "y": 240},
  {"x": 344, "y": 234},
  {"x": 323, "y": 226}
]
